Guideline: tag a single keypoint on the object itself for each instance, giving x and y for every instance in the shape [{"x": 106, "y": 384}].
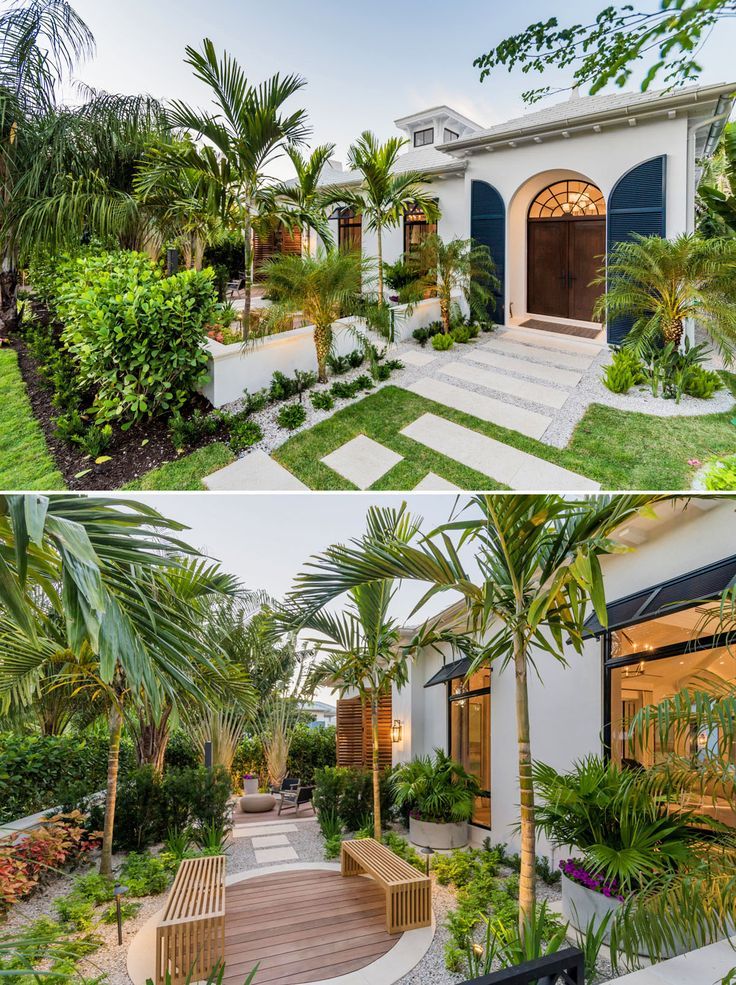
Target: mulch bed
[{"x": 132, "y": 453}]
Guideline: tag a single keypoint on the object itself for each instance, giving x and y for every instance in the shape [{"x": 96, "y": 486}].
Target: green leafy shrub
[
  {"x": 196, "y": 798},
  {"x": 338, "y": 364},
  {"x": 702, "y": 383},
  {"x": 461, "y": 334},
  {"x": 285, "y": 387},
  {"x": 394, "y": 365},
  {"x": 332, "y": 847},
  {"x": 624, "y": 371},
  {"x": 128, "y": 911},
  {"x": 144, "y": 874},
  {"x": 39, "y": 772},
  {"x": 348, "y": 793},
  {"x": 69, "y": 426},
  {"x": 322, "y": 400},
  {"x": 473, "y": 331},
  {"x": 134, "y": 335},
  {"x": 364, "y": 382},
  {"x": 423, "y": 335},
  {"x": 95, "y": 440},
  {"x": 75, "y": 912},
  {"x": 401, "y": 847},
  {"x": 181, "y": 751},
  {"x": 244, "y": 434},
  {"x": 291, "y": 417},
  {"x": 311, "y": 749},
  {"x": 355, "y": 358},
  {"x": 345, "y": 391},
  {"x": 187, "y": 431},
  {"x": 139, "y": 810},
  {"x": 382, "y": 372},
  {"x": 254, "y": 402},
  {"x": 441, "y": 342},
  {"x": 720, "y": 475},
  {"x": 436, "y": 788}
]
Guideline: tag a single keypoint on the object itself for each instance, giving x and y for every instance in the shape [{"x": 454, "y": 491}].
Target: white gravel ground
[
  {"x": 110, "y": 960},
  {"x": 590, "y": 390}
]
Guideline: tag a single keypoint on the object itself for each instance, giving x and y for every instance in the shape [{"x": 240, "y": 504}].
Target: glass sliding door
[{"x": 470, "y": 735}]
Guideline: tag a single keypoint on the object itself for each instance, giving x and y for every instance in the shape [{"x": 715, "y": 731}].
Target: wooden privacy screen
[
  {"x": 278, "y": 242},
  {"x": 354, "y": 742}
]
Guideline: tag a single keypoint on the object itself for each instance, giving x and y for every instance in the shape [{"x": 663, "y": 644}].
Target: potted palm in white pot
[{"x": 440, "y": 795}]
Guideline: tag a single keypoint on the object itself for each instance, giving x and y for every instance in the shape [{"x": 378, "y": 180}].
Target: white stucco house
[
  {"x": 551, "y": 191},
  {"x": 656, "y": 594}
]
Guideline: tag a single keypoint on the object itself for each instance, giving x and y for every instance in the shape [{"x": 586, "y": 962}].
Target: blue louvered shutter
[
  {"x": 488, "y": 227},
  {"x": 636, "y": 205}
]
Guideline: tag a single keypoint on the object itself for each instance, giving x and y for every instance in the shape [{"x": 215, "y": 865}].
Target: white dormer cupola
[{"x": 436, "y": 126}]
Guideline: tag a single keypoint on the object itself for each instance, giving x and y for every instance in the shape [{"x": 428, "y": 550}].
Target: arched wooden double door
[{"x": 566, "y": 243}]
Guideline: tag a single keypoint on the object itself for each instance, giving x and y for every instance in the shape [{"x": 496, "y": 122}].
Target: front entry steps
[{"x": 505, "y": 464}]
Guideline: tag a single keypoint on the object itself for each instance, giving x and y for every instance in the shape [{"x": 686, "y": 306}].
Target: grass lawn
[
  {"x": 187, "y": 472},
  {"x": 619, "y": 449},
  {"x": 25, "y": 461}
]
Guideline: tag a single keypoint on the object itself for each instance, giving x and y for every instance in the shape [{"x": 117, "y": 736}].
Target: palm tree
[
  {"x": 539, "y": 563},
  {"x": 322, "y": 288},
  {"x": 384, "y": 194},
  {"x": 460, "y": 265},
  {"x": 40, "y": 43},
  {"x": 717, "y": 190},
  {"x": 661, "y": 283},
  {"x": 90, "y": 560},
  {"x": 247, "y": 131},
  {"x": 305, "y": 196}
]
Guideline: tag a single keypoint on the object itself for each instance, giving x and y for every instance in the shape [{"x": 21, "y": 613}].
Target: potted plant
[
  {"x": 440, "y": 795},
  {"x": 250, "y": 783}
]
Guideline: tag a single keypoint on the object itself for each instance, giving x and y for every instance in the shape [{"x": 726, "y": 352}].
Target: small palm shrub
[
  {"x": 461, "y": 334},
  {"x": 702, "y": 383},
  {"x": 244, "y": 434},
  {"x": 322, "y": 400},
  {"x": 442, "y": 342},
  {"x": 436, "y": 788},
  {"x": 255, "y": 402},
  {"x": 624, "y": 371},
  {"x": 291, "y": 417},
  {"x": 187, "y": 431},
  {"x": 423, "y": 335}
]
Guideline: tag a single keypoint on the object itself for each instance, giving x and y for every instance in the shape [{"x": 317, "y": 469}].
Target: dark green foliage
[
  {"x": 400, "y": 275},
  {"x": 181, "y": 752},
  {"x": 188, "y": 431},
  {"x": 344, "y": 391},
  {"x": 355, "y": 358},
  {"x": 665, "y": 369},
  {"x": 441, "y": 343},
  {"x": 69, "y": 426},
  {"x": 394, "y": 365},
  {"x": 311, "y": 749},
  {"x": 41, "y": 772},
  {"x": 338, "y": 364},
  {"x": 348, "y": 793},
  {"x": 244, "y": 434},
  {"x": 56, "y": 367},
  {"x": 95, "y": 440},
  {"x": 144, "y": 874},
  {"x": 382, "y": 372},
  {"x": 322, "y": 400},
  {"x": 423, "y": 335},
  {"x": 139, "y": 810},
  {"x": 285, "y": 387},
  {"x": 401, "y": 847},
  {"x": 197, "y": 797},
  {"x": 254, "y": 402},
  {"x": 291, "y": 417},
  {"x": 461, "y": 333},
  {"x": 364, "y": 382}
]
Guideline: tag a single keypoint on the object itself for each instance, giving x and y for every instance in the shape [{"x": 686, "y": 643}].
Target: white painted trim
[{"x": 406, "y": 953}]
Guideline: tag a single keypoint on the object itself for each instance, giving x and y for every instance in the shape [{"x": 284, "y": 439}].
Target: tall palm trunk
[
  {"x": 113, "y": 762},
  {"x": 379, "y": 252},
  {"x": 445, "y": 311},
  {"x": 248, "y": 272},
  {"x": 152, "y": 740},
  {"x": 527, "y": 889},
  {"x": 376, "y": 770},
  {"x": 322, "y": 345}
]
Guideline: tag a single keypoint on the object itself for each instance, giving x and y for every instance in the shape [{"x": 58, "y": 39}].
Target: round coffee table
[{"x": 257, "y": 803}]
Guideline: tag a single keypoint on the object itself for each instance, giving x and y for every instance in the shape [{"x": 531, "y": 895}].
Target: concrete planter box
[
  {"x": 580, "y": 905},
  {"x": 440, "y": 837}
]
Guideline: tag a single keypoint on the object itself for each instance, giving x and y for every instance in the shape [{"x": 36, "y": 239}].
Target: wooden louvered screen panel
[
  {"x": 281, "y": 241},
  {"x": 354, "y": 741}
]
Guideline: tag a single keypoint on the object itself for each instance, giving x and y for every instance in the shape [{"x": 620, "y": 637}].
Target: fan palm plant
[
  {"x": 246, "y": 132},
  {"x": 322, "y": 288},
  {"x": 384, "y": 193},
  {"x": 662, "y": 283},
  {"x": 539, "y": 565},
  {"x": 305, "y": 196},
  {"x": 438, "y": 787},
  {"x": 460, "y": 265}
]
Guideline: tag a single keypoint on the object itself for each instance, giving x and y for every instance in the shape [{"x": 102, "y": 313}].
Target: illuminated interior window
[{"x": 568, "y": 198}]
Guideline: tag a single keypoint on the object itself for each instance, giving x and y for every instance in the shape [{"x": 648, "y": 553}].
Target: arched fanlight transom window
[{"x": 572, "y": 199}]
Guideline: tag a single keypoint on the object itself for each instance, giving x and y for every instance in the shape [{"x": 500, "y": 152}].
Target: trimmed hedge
[
  {"x": 40, "y": 772},
  {"x": 135, "y": 335},
  {"x": 311, "y": 749}
]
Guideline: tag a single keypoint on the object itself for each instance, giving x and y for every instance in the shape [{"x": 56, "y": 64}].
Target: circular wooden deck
[{"x": 303, "y": 926}]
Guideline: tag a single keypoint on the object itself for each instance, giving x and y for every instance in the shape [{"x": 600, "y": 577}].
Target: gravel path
[{"x": 589, "y": 390}]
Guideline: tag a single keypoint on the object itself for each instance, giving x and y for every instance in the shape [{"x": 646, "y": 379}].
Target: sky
[
  {"x": 265, "y": 539},
  {"x": 366, "y": 63}
]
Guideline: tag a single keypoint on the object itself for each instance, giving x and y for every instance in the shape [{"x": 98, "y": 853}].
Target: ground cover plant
[{"x": 619, "y": 449}]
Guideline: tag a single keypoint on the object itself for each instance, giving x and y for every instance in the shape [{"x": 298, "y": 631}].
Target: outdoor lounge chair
[
  {"x": 296, "y": 797},
  {"x": 234, "y": 286}
]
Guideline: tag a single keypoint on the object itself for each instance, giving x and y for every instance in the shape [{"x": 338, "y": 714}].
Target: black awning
[
  {"x": 449, "y": 672},
  {"x": 668, "y": 596}
]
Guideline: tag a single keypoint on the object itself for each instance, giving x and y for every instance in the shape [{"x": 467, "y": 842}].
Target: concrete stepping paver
[
  {"x": 255, "y": 830},
  {"x": 537, "y": 393},
  {"x": 550, "y": 340},
  {"x": 704, "y": 965},
  {"x": 257, "y": 471},
  {"x": 524, "y": 367},
  {"x": 510, "y": 466},
  {"x": 528, "y": 422},
  {"x": 264, "y": 855},
  {"x": 362, "y": 461},
  {"x": 270, "y": 841},
  {"x": 412, "y": 358},
  {"x": 502, "y": 344},
  {"x": 435, "y": 483}
]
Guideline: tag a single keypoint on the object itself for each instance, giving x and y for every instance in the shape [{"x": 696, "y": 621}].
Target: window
[
  {"x": 469, "y": 716},
  {"x": 424, "y": 137},
  {"x": 450, "y": 135},
  {"x": 349, "y": 231},
  {"x": 648, "y": 662},
  {"x": 568, "y": 199},
  {"x": 416, "y": 229}
]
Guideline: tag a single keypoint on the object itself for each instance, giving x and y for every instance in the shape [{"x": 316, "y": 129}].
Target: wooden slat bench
[
  {"x": 408, "y": 892},
  {"x": 191, "y": 935}
]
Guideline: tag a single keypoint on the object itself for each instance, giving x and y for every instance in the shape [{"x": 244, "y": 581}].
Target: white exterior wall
[{"x": 566, "y": 705}]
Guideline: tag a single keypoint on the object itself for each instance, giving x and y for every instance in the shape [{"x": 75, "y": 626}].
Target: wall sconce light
[{"x": 396, "y": 731}]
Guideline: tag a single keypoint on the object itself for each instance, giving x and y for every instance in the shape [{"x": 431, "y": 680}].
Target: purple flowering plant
[{"x": 575, "y": 869}]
